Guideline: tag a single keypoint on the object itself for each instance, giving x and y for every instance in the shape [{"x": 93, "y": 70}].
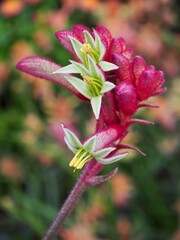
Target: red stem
[{"x": 91, "y": 169}]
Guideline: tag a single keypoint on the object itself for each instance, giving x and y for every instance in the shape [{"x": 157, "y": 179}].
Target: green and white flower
[
  {"x": 93, "y": 85},
  {"x": 92, "y": 47},
  {"x": 86, "y": 152},
  {"x": 91, "y": 54}
]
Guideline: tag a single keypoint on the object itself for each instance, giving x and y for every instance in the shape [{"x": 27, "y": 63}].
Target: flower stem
[
  {"x": 91, "y": 169},
  {"x": 70, "y": 203}
]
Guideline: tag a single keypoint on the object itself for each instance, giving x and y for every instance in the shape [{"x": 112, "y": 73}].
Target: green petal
[
  {"x": 112, "y": 159},
  {"x": 96, "y": 105},
  {"x": 107, "y": 86},
  {"x": 71, "y": 68},
  {"x": 104, "y": 152},
  {"x": 89, "y": 39},
  {"x": 77, "y": 46},
  {"x": 72, "y": 148},
  {"x": 107, "y": 66},
  {"x": 70, "y": 138},
  {"x": 80, "y": 68},
  {"x": 99, "y": 45},
  {"x": 93, "y": 69},
  {"x": 89, "y": 145},
  {"x": 81, "y": 86}
]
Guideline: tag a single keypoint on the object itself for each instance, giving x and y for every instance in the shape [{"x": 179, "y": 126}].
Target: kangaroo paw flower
[
  {"x": 92, "y": 85},
  {"x": 85, "y": 152}
]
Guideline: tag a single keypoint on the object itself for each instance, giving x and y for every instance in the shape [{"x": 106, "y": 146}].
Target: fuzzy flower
[
  {"x": 87, "y": 151},
  {"x": 91, "y": 47},
  {"x": 80, "y": 42},
  {"x": 93, "y": 85},
  {"x": 91, "y": 69}
]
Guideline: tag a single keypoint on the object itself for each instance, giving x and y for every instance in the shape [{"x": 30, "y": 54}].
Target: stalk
[
  {"x": 90, "y": 170},
  {"x": 67, "y": 208}
]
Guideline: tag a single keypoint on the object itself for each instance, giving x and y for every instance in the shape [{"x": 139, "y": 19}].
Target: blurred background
[{"x": 142, "y": 201}]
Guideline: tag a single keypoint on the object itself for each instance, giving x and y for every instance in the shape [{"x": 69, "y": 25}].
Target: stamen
[
  {"x": 80, "y": 159},
  {"x": 95, "y": 84},
  {"x": 87, "y": 49},
  {"x": 83, "y": 50},
  {"x": 87, "y": 79}
]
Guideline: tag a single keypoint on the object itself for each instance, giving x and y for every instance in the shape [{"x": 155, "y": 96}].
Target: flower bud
[
  {"x": 118, "y": 45},
  {"x": 124, "y": 72},
  {"x": 126, "y": 98},
  {"x": 148, "y": 83},
  {"x": 147, "y": 80},
  {"x": 138, "y": 65}
]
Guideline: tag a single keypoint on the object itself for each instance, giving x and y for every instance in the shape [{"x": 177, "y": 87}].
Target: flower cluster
[
  {"x": 91, "y": 67},
  {"x": 105, "y": 74}
]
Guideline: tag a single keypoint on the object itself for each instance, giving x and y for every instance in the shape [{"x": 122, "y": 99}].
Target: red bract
[
  {"x": 105, "y": 35},
  {"x": 77, "y": 32},
  {"x": 43, "y": 68}
]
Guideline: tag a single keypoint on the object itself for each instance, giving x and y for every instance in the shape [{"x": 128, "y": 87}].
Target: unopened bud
[{"x": 126, "y": 98}]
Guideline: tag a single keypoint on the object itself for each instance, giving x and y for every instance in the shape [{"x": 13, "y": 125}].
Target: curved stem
[
  {"x": 90, "y": 170},
  {"x": 67, "y": 208}
]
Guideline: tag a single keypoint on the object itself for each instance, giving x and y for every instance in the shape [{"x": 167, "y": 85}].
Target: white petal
[
  {"x": 77, "y": 46},
  {"x": 96, "y": 105},
  {"x": 80, "y": 68},
  {"x": 107, "y": 86},
  {"x": 93, "y": 68},
  {"x": 71, "y": 68},
  {"x": 72, "y": 148},
  {"x": 112, "y": 159},
  {"x": 71, "y": 139},
  {"x": 103, "y": 153},
  {"x": 89, "y": 145},
  {"x": 89, "y": 39},
  {"x": 99, "y": 45},
  {"x": 107, "y": 66},
  {"x": 81, "y": 86}
]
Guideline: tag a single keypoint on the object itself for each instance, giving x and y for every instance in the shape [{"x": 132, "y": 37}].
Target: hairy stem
[
  {"x": 91, "y": 169},
  {"x": 67, "y": 208}
]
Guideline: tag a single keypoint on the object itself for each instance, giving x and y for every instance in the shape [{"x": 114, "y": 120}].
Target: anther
[
  {"x": 80, "y": 159},
  {"x": 87, "y": 79}
]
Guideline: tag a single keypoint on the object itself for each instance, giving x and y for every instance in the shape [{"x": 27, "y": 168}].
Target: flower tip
[
  {"x": 63, "y": 128},
  {"x": 96, "y": 105},
  {"x": 71, "y": 38},
  {"x": 20, "y": 64}
]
